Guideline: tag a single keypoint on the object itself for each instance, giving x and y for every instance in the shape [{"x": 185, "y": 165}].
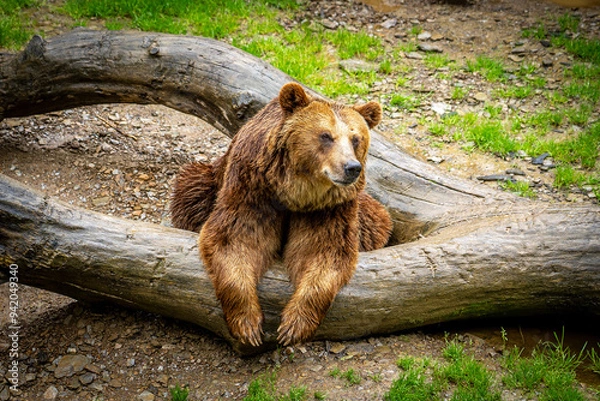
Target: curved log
[
  {"x": 224, "y": 86},
  {"x": 486, "y": 253}
]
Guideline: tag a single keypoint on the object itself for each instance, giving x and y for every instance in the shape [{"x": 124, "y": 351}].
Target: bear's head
[{"x": 322, "y": 149}]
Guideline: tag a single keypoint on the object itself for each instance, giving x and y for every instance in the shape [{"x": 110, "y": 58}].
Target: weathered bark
[{"x": 485, "y": 254}]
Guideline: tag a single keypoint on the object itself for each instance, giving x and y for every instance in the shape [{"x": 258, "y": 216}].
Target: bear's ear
[
  {"x": 371, "y": 112},
  {"x": 292, "y": 97}
]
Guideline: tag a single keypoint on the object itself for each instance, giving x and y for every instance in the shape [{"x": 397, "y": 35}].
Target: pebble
[
  {"x": 145, "y": 396},
  {"x": 496, "y": 177},
  {"x": 539, "y": 160},
  {"x": 547, "y": 62},
  {"x": 50, "y": 394},
  {"x": 329, "y": 24},
  {"x": 337, "y": 348},
  {"x": 389, "y": 23},
  {"x": 69, "y": 365},
  {"x": 481, "y": 97},
  {"x": 87, "y": 378},
  {"x": 414, "y": 56},
  {"x": 424, "y": 36},
  {"x": 515, "y": 171},
  {"x": 430, "y": 48},
  {"x": 115, "y": 383},
  {"x": 102, "y": 201}
]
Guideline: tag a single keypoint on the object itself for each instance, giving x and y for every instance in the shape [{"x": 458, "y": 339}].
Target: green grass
[
  {"x": 549, "y": 373},
  {"x": 14, "y": 28},
  {"x": 405, "y": 101},
  {"x": 210, "y": 18},
  {"x": 519, "y": 188},
  {"x": 459, "y": 93},
  {"x": 351, "y": 377},
  {"x": 435, "y": 60},
  {"x": 491, "y": 69},
  {"x": 179, "y": 393},
  {"x": 355, "y": 44},
  {"x": 264, "y": 389}
]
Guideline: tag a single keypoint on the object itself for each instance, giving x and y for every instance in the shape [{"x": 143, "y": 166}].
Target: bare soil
[{"x": 121, "y": 159}]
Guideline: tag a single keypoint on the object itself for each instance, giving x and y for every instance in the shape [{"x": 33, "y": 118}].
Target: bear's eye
[
  {"x": 326, "y": 138},
  {"x": 355, "y": 141}
]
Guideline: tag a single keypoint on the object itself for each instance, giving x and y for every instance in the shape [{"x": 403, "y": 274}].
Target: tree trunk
[{"x": 475, "y": 252}]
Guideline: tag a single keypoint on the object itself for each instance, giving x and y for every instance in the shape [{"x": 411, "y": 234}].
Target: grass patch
[
  {"x": 519, "y": 188},
  {"x": 549, "y": 373},
  {"x": 491, "y": 69},
  {"x": 435, "y": 60},
  {"x": 210, "y": 18},
  {"x": 179, "y": 393},
  {"x": 359, "y": 44},
  {"x": 14, "y": 28},
  {"x": 351, "y": 377},
  {"x": 264, "y": 389},
  {"x": 405, "y": 101}
]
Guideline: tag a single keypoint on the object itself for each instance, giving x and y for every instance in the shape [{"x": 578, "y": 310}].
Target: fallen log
[{"x": 465, "y": 250}]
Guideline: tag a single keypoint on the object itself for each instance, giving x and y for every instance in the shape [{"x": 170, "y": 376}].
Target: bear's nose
[{"x": 352, "y": 170}]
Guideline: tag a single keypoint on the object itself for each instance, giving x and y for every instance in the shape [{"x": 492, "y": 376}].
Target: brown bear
[{"x": 289, "y": 186}]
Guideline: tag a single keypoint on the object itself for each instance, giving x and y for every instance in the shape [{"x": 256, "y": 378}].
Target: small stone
[
  {"x": 102, "y": 201},
  {"x": 389, "y": 23},
  {"x": 87, "y": 378},
  {"x": 145, "y": 396},
  {"x": 429, "y": 48},
  {"x": 539, "y": 160},
  {"x": 73, "y": 383},
  {"x": 93, "y": 368},
  {"x": 547, "y": 62},
  {"x": 50, "y": 394},
  {"x": 337, "y": 348},
  {"x": 518, "y": 50},
  {"x": 143, "y": 177},
  {"x": 163, "y": 379},
  {"x": 414, "y": 56},
  {"x": 115, "y": 383},
  {"x": 69, "y": 365},
  {"x": 130, "y": 362},
  {"x": 435, "y": 159},
  {"x": 496, "y": 177},
  {"x": 480, "y": 97},
  {"x": 515, "y": 171},
  {"x": 515, "y": 58},
  {"x": 436, "y": 37},
  {"x": 424, "y": 36},
  {"x": 440, "y": 108},
  {"x": 329, "y": 24}
]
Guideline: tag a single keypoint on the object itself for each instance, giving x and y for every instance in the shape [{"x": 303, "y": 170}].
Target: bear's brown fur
[{"x": 291, "y": 186}]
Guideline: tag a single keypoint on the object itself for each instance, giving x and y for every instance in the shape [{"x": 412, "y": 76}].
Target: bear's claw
[
  {"x": 247, "y": 331},
  {"x": 294, "y": 330}
]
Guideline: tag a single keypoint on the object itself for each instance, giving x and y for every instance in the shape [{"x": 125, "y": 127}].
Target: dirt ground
[{"x": 121, "y": 159}]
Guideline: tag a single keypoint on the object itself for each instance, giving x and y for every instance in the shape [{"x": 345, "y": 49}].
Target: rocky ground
[{"x": 121, "y": 159}]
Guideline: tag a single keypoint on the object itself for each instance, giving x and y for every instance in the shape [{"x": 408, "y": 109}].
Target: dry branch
[{"x": 486, "y": 253}]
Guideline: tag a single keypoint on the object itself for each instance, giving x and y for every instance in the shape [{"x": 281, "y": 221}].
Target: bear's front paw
[
  {"x": 247, "y": 328},
  {"x": 295, "y": 328}
]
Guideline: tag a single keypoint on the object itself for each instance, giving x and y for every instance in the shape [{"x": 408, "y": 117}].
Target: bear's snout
[{"x": 352, "y": 170}]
